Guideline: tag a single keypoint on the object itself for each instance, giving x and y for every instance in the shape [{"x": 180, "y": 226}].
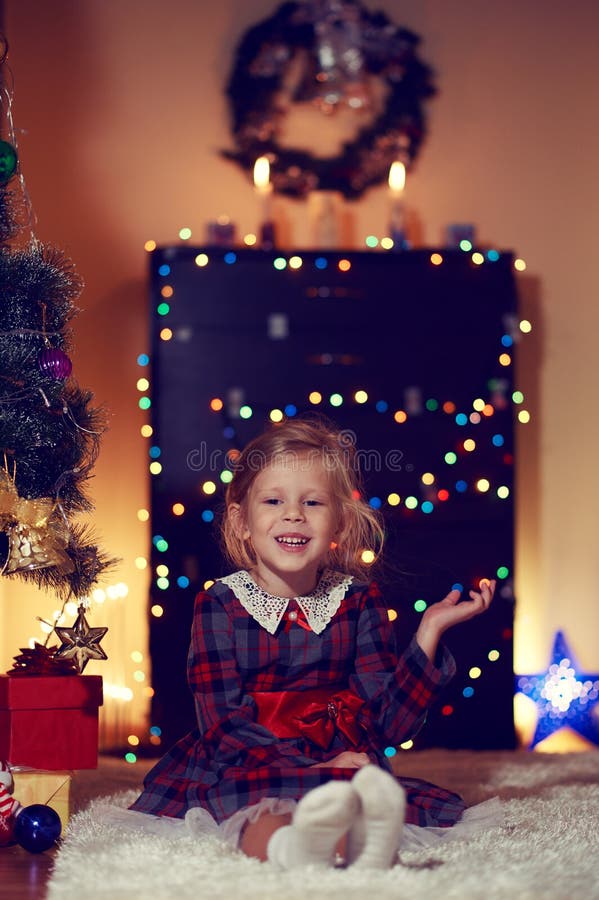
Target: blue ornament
[
  {"x": 37, "y": 827},
  {"x": 565, "y": 695}
]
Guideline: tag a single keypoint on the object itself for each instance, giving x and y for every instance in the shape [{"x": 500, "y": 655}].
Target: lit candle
[
  {"x": 262, "y": 176},
  {"x": 397, "y": 183},
  {"x": 263, "y": 187}
]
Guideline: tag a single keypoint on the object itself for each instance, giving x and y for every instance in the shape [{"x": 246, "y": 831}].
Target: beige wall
[{"x": 121, "y": 109}]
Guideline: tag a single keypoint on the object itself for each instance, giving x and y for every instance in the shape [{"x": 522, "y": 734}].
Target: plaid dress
[{"x": 231, "y": 761}]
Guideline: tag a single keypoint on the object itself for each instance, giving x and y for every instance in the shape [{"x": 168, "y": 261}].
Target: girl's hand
[
  {"x": 441, "y": 616},
  {"x": 346, "y": 760}
]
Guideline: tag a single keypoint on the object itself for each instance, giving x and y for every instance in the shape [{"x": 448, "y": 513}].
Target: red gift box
[{"x": 50, "y": 722}]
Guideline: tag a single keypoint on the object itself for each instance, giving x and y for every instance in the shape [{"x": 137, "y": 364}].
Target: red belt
[{"x": 316, "y": 714}]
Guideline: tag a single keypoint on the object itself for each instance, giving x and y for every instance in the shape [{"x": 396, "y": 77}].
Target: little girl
[{"x": 296, "y": 679}]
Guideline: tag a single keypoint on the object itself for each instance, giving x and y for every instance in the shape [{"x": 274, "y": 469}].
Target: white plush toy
[{"x": 8, "y": 805}]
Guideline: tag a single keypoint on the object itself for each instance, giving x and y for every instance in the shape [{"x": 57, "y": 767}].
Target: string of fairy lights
[{"x": 436, "y": 488}]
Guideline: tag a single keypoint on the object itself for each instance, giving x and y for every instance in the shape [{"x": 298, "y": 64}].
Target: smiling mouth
[{"x": 292, "y": 541}]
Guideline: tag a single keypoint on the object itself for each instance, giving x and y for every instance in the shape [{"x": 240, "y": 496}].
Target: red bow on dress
[
  {"x": 320, "y": 721},
  {"x": 316, "y": 714}
]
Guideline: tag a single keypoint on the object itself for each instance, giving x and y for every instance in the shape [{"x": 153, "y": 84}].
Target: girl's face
[{"x": 289, "y": 516}]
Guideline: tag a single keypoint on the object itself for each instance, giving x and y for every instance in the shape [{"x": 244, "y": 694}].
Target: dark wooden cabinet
[{"x": 412, "y": 354}]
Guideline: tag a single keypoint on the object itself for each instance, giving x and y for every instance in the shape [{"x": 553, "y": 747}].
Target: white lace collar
[{"x": 319, "y": 607}]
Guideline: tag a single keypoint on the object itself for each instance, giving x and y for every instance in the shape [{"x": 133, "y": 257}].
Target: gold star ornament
[{"x": 81, "y": 642}]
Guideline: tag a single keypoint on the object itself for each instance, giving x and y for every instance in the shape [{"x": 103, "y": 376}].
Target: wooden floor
[{"x": 24, "y": 876}]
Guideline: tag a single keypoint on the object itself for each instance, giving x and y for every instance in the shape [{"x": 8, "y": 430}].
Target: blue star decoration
[{"x": 565, "y": 696}]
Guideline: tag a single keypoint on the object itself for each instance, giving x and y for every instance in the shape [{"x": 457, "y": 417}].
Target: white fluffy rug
[{"x": 547, "y": 847}]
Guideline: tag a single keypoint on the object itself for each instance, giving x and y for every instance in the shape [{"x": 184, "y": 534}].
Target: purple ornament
[{"x": 54, "y": 363}]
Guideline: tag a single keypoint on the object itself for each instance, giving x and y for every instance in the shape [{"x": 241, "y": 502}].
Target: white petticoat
[{"x": 200, "y": 823}]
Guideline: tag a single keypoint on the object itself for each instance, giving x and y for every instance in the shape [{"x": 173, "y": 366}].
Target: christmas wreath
[{"x": 329, "y": 52}]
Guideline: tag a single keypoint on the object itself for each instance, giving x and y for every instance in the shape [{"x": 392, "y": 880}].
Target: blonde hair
[{"x": 360, "y": 526}]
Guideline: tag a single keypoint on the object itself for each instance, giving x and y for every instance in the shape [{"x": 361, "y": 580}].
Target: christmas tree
[{"x": 49, "y": 429}]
